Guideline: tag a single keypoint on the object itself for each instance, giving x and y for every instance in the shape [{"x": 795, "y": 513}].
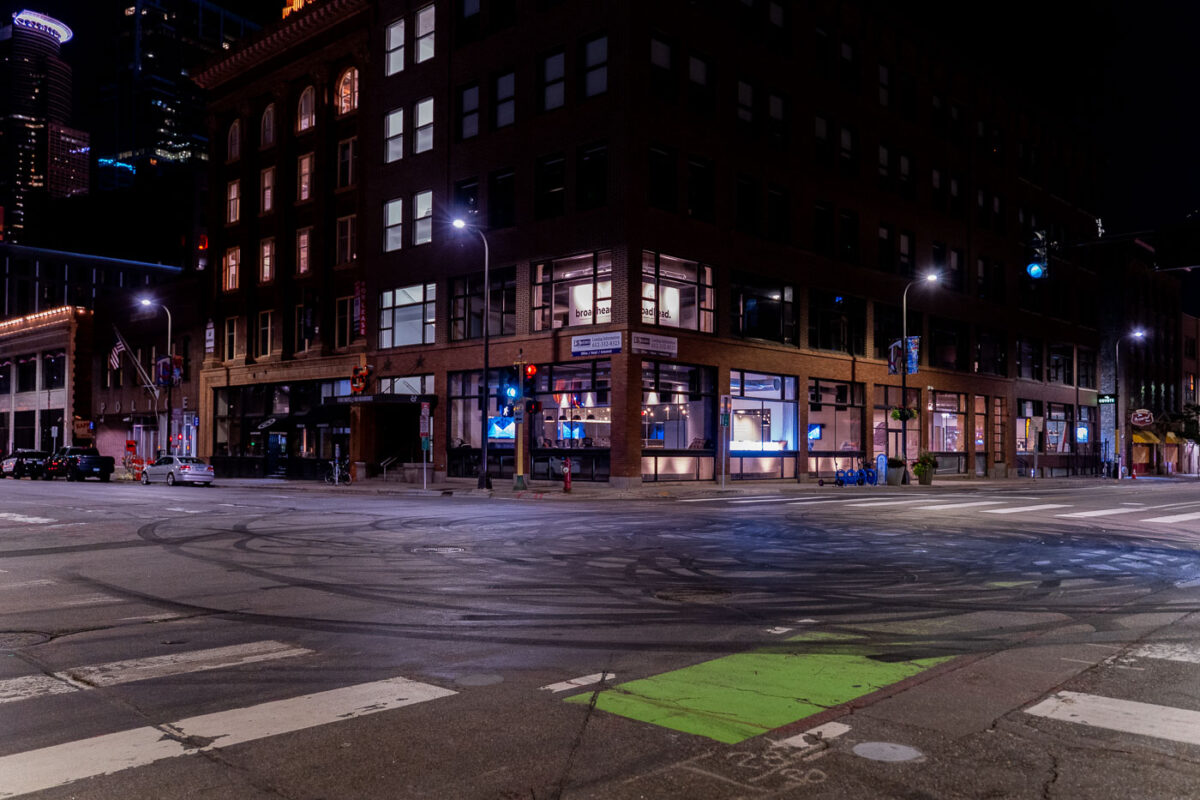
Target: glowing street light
[
  {"x": 1119, "y": 440},
  {"x": 931, "y": 278},
  {"x": 485, "y": 401},
  {"x": 145, "y": 301}
]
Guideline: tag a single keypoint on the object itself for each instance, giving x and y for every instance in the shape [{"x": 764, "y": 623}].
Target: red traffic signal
[
  {"x": 530, "y": 370},
  {"x": 533, "y": 406}
]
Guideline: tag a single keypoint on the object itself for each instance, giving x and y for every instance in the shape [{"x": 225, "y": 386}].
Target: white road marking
[
  {"x": 1126, "y": 716},
  {"x": 576, "y": 683},
  {"x": 1022, "y": 509},
  {"x": 89, "y": 600},
  {"x": 944, "y": 506},
  {"x": 22, "y": 518},
  {"x": 1104, "y": 512},
  {"x": 1169, "y": 651},
  {"x": 28, "y": 584},
  {"x": 764, "y": 500},
  {"x": 187, "y": 510},
  {"x": 152, "y": 618},
  {"x": 1176, "y": 518},
  {"x": 871, "y": 503},
  {"x": 37, "y": 770},
  {"x": 140, "y": 669},
  {"x": 29, "y": 686},
  {"x": 778, "y": 631},
  {"x": 830, "y": 730},
  {"x": 718, "y": 499},
  {"x": 815, "y": 502}
]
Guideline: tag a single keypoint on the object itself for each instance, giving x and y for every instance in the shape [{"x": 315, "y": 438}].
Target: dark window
[
  {"x": 662, "y": 180},
  {"x": 1189, "y": 347},
  {"x": 591, "y": 176},
  {"x": 889, "y": 328},
  {"x": 764, "y": 312},
  {"x": 504, "y": 102},
  {"x": 848, "y": 152},
  {"x": 5, "y": 385},
  {"x": 1087, "y": 368},
  {"x": 552, "y": 79},
  {"x": 991, "y": 353},
  {"x": 662, "y": 70},
  {"x": 745, "y": 102},
  {"x": 848, "y": 246},
  {"x": 849, "y": 67},
  {"x": 347, "y": 162},
  {"x": 469, "y": 27},
  {"x": 550, "y": 187},
  {"x": 702, "y": 189},
  {"x": 837, "y": 322},
  {"x": 27, "y": 373},
  {"x": 466, "y": 198},
  {"x": 1062, "y": 360},
  {"x": 502, "y": 199},
  {"x": 779, "y": 212},
  {"x": 466, "y": 305},
  {"x": 54, "y": 369},
  {"x": 746, "y": 205},
  {"x": 468, "y": 111},
  {"x": 947, "y": 344},
  {"x": 702, "y": 85},
  {"x": 823, "y": 229},
  {"x": 887, "y": 247},
  {"x": 1029, "y": 359},
  {"x": 595, "y": 66},
  {"x": 823, "y": 146}
]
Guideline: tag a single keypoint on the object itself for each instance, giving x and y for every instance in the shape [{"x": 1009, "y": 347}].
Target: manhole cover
[
  {"x": 698, "y": 595},
  {"x": 440, "y": 550},
  {"x": 886, "y": 751},
  {"x": 11, "y": 640}
]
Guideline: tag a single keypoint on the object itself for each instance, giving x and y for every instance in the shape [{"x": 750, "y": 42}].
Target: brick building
[{"x": 679, "y": 202}]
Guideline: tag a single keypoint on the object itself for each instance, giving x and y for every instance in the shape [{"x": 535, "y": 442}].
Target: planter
[
  {"x": 925, "y": 478},
  {"x": 895, "y": 475}
]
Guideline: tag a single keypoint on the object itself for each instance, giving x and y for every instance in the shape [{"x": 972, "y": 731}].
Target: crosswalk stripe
[
  {"x": 1022, "y": 509},
  {"x": 37, "y": 770},
  {"x": 1126, "y": 716},
  {"x": 1176, "y": 518},
  {"x": 6, "y": 515},
  {"x": 764, "y": 500},
  {"x": 28, "y": 686},
  {"x": 1103, "y": 512},
  {"x": 718, "y": 499},
  {"x": 576, "y": 683},
  {"x": 945, "y": 506},
  {"x": 1170, "y": 651},
  {"x": 873, "y": 503}
]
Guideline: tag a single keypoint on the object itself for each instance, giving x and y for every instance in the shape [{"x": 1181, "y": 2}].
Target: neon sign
[
  {"x": 40, "y": 22},
  {"x": 295, "y": 5}
]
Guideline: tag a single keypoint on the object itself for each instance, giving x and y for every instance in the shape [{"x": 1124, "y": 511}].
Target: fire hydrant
[{"x": 567, "y": 474}]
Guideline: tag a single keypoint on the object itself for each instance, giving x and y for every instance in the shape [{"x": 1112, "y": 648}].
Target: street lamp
[
  {"x": 930, "y": 278},
  {"x": 485, "y": 401},
  {"x": 170, "y": 355},
  {"x": 1118, "y": 440}
]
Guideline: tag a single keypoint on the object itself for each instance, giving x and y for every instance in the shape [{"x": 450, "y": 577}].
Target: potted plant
[
  {"x": 895, "y": 471},
  {"x": 900, "y": 414},
  {"x": 923, "y": 468}
]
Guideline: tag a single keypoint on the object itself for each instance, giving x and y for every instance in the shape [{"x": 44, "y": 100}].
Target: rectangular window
[
  {"x": 343, "y": 322},
  {"x": 822, "y": 146},
  {"x": 303, "y": 250},
  {"x": 468, "y": 111},
  {"x": 595, "y": 66},
  {"x": 266, "y": 190},
  {"x": 746, "y": 204},
  {"x": 991, "y": 352},
  {"x": 1029, "y": 359},
  {"x": 347, "y": 155},
  {"x": 347, "y": 239},
  {"x": 233, "y": 201},
  {"x": 553, "y": 81},
  {"x": 1086, "y": 360},
  {"x": 678, "y": 414},
  {"x": 947, "y": 344},
  {"x": 848, "y": 152},
  {"x": 229, "y": 269},
  {"x": 836, "y": 412},
  {"x": 506, "y": 100},
  {"x": 466, "y": 199},
  {"x": 662, "y": 181},
  {"x": 395, "y": 47},
  {"x": 1062, "y": 361},
  {"x": 230, "y": 338},
  {"x": 304, "y": 177},
  {"x": 591, "y": 175},
  {"x": 908, "y": 244},
  {"x": 266, "y": 260},
  {"x": 466, "y": 305},
  {"x": 702, "y": 189},
  {"x": 393, "y": 225},
  {"x": 424, "y": 34},
  {"x": 393, "y": 132},
  {"x": 573, "y": 291},
  {"x": 762, "y": 311},
  {"x": 948, "y": 422},
  {"x": 406, "y": 315},
  {"x": 763, "y": 422},
  {"x": 823, "y": 236},
  {"x": 837, "y": 322},
  {"x": 264, "y": 334},
  {"x": 302, "y": 329},
  {"x": 887, "y": 247},
  {"x": 423, "y": 217},
  {"x": 776, "y": 121},
  {"x": 745, "y": 102},
  {"x": 848, "y": 246},
  {"x": 676, "y": 293},
  {"x": 701, "y": 86},
  {"x": 779, "y": 213},
  {"x": 502, "y": 199},
  {"x": 550, "y": 186},
  {"x": 423, "y": 141}
]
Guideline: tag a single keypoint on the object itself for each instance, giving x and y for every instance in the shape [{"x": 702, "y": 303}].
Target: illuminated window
[
  {"x": 422, "y": 217},
  {"x": 394, "y": 134},
  {"x": 264, "y": 334},
  {"x": 229, "y": 269},
  {"x": 303, "y": 250},
  {"x": 266, "y": 126},
  {"x": 424, "y": 34},
  {"x": 406, "y": 315},
  {"x": 234, "y": 141},
  {"x": 347, "y": 91},
  {"x": 347, "y": 238},
  {"x": 395, "y": 47},
  {"x": 266, "y": 191},
  {"x": 306, "y": 113},
  {"x": 233, "y": 201},
  {"x": 424, "y": 114},
  {"x": 304, "y": 176},
  {"x": 393, "y": 225},
  {"x": 266, "y": 260},
  {"x": 230, "y": 338}
]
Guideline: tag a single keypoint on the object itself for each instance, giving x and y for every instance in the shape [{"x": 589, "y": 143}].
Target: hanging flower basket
[{"x": 902, "y": 414}]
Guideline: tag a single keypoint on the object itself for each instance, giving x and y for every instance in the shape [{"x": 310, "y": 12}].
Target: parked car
[
  {"x": 24, "y": 462},
  {"x": 77, "y": 463},
  {"x": 178, "y": 469}
]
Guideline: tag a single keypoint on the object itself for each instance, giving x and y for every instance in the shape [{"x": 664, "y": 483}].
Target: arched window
[
  {"x": 266, "y": 130},
  {"x": 234, "y": 141},
  {"x": 306, "y": 116},
  {"x": 347, "y": 91}
]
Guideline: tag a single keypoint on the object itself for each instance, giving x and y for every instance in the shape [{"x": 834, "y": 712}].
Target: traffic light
[
  {"x": 1039, "y": 263},
  {"x": 529, "y": 387},
  {"x": 510, "y": 389},
  {"x": 533, "y": 406}
]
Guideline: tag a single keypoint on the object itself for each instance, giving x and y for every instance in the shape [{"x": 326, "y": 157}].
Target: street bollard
[{"x": 567, "y": 474}]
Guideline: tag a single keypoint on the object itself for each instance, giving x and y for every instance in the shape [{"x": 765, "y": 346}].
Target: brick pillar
[{"x": 626, "y": 454}]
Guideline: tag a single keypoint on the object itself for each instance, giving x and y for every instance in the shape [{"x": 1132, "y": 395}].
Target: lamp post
[
  {"x": 485, "y": 401},
  {"x": 171, "y": 356},
  {"x": 1118, "y": 440},
  {"x": 930, "y": 278}
]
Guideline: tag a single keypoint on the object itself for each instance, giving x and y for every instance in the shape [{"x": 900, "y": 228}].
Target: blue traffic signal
[{"x": 1036, "y": 270}]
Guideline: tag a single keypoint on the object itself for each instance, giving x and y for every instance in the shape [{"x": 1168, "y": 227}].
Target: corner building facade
[{"x": 678, "y": 203}]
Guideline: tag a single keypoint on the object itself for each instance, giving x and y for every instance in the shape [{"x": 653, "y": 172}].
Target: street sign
[
  {"x": 424, "y": 424},
  {"x": 1106, "y": 399}
]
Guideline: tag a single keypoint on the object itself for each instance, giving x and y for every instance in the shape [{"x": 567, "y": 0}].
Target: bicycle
[{"x": 342, "y": 474}]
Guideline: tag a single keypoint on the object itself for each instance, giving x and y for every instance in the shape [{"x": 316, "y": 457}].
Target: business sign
[
  {"x": 1107, "y": 399},
  {"x": 895, "y": 356},
  {"x": 1142, "y": 417},
  {"x": 654, "y": 345},
  {"x": 210, "y": 339},
  {"x": 596, "y": 344}
]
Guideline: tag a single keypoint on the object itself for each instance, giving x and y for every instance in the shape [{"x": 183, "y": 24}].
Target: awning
[
  {"x": 1172, "y": 438},
  {"x": 1145, "y": 437}
]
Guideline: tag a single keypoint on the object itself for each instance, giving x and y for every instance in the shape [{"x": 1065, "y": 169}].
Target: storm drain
[{"x": 438, "y": 550}]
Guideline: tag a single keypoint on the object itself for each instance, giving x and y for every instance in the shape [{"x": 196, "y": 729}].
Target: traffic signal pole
[{"x": 519, "y": 418}]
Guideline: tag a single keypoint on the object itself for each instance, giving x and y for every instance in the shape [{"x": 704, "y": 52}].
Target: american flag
[{"x": 114, "y": 358}]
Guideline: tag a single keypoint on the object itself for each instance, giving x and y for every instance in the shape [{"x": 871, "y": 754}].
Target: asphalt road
[{"x": 269, "y": 642}]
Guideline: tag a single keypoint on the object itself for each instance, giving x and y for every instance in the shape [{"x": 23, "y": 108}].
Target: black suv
[{"x": 24, "y": 462}]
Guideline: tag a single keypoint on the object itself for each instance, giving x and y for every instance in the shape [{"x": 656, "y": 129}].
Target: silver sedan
[{"x": 178, "y": 469}]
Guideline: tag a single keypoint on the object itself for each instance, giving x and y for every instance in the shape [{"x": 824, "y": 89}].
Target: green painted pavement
[{"x": 734, "y": 698}]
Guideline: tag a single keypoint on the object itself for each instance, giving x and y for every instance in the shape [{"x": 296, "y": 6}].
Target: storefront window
[
  {"x": 576, "y": 410},
  {"x": 948, "y": 423},
  {"x": 676, "y": 293},
  {"x": 889, "y": 428},
  {"x": 835, "y": 426},
  {"x": 678, "y": 406},
  {"x": 573, "y": 291},
  {"x": 1029, "y": 413},
  {"x": 1085, "y": 428},
  {"x": 1059, "y": 428},
  {"x": 763, "y": 423}
]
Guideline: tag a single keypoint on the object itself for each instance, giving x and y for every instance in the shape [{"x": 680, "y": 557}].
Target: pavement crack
[{"x": 575, "y": 745}]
